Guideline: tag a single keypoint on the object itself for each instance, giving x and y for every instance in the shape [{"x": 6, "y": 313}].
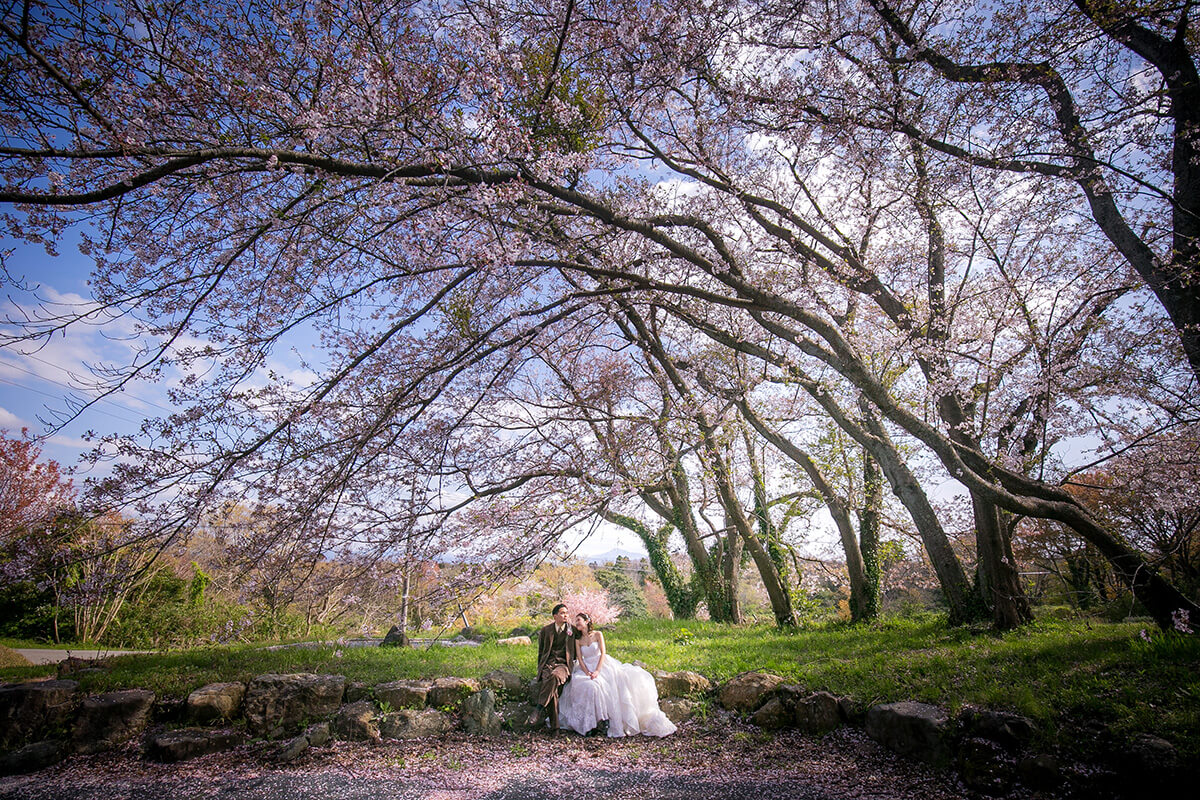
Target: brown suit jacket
[{"x": 546, "y": 644}]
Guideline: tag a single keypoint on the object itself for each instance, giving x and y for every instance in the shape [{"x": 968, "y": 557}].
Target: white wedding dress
[{"x": 623, "y": 694}]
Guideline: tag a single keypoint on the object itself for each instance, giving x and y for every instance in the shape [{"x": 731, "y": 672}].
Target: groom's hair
[{"x": 557, "y": 607}]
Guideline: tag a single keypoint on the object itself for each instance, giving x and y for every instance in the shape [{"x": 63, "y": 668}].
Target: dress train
[{"x": 623, "y": 694}]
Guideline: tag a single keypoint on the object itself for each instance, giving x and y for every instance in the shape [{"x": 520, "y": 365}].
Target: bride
[{"x": 602, "y": 688}]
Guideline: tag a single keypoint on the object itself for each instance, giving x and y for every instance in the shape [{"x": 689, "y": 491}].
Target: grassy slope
[
  {"x": 8, "y": 658},
  {"x": 1064, "y": 674}
]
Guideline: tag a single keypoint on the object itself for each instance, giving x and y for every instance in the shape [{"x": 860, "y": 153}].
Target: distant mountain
[{"x": 610, "y": 556}]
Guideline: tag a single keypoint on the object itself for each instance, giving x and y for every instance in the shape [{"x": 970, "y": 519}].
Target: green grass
[
  {"x": 10, "y": 659},
  {"x": 37, "y": 645},
  {"x": 1064, "y": 674}
]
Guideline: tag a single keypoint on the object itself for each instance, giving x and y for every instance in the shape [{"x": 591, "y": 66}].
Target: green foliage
[
  {"x": 807, "y": 606},
  {"x": 623, "y": 592},
  {"x": 682, "y": 597},
  {"x": 27, "y": 612},
  {"x": 156, "y": 617},
  {"x": 200, "y": 581},
  {"x": 891, "y": 552},
  {"x": 553, "y": 83}
]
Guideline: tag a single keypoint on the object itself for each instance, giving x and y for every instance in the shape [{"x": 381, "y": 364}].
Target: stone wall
[{"x": 994, "y": 753}]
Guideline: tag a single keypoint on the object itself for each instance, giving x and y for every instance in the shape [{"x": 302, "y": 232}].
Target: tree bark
[
  {"x": 999, "y": 582},
  {"x": 963, "y": 600},
  {"x": 838, "y": 509},
  {"x": 868, "y": 540},
  {"x": 680, "y": 597},
  {"x": 731, "y": 567}
]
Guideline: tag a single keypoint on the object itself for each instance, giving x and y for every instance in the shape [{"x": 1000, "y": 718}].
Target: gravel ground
[{"x": 703, "y": 761}]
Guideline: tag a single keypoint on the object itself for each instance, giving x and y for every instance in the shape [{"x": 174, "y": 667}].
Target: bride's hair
[{"x": 586, "y": 619}]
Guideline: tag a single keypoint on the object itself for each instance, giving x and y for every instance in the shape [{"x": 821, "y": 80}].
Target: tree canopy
[{"x": 550, "y": 259}]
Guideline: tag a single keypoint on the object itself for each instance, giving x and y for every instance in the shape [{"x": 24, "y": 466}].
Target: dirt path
[{"x": 701, "y": 762}]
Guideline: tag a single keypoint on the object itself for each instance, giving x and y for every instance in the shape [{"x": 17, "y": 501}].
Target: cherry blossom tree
[
  {"x": 425, "y": 195},
  {"x": 32, "y": 491}
]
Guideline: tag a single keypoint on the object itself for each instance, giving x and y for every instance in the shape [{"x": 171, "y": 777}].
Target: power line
[
  {"x": 67, "y": 385},
  {"x": 23, "y": 387}
]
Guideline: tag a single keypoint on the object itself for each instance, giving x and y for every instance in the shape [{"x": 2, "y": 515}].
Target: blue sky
[{"x": 38, "y": 382}]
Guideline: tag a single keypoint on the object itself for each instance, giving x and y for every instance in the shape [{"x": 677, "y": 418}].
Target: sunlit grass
[
  {"x": 1062, "y": 673},
  {"x": 9, "y": 658}
]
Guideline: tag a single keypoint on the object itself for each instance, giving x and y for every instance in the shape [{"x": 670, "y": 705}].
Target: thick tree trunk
[
  {"x": 838, "y": 509},
  {"x": 680, "y": 597},
  {"x": 706, "y": 572},
  {"x": 677, "y": 511},
  {"x": 781, "y": 600},
  {"x": 868, "y": 541},
  {"x": 961, "y": 598},
  {"x": 731, "y": 567},
  {"x": 405, "y": 595},
  {"x": 768, "y": 533},
  {"x": 999, "y": 581}
]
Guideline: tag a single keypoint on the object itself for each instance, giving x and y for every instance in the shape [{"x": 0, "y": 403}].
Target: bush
[
  {"x": 27, "y": 612},
  {"x": 623, "y": 592}
]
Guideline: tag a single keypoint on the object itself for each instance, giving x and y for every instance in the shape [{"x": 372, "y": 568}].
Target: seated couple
[{"x": 594, "y": 686}]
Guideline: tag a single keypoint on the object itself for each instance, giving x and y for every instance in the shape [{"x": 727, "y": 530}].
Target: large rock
[
  {"x": 314, "y": 736},
  {"x": 32, "y": 757},
  {"x": 30, "y": 710},
  {"x": 357, "y": 690},
  {"x": 748, "y": 691},
  {"x": 479, "y": 713},
  {"x": 681, "y": 684},
  {"x": 1040, "y": 772},
  {"x": 515, "y": 714},
  {"x": 410, "y": 723},
  {"x": 678, "y": 709},
  {"x": 184, "y": 743},
  {"x": 1012, "y": 731},
  {"x": 852, "y": 711},
  {"x": 1149, "y": 753},
  {"x": 505, "y": 684},
  {"x": 107, "y": 720},
  {"x": 817, "y": 713},
  {"x": 773, "y": 714},
  {"x": 1149, "y": 763},
  {"x": 916, "y": 730},
  {"x": 216, "y": 701},
  {"x": 356, "y": 722},
  {"x": 515, "y": 641},
  {"x": 449, "y": 692},
  {"x": 395, "y": 638},
  {"x": 276, "y": 705},
  {"x": 985, "y": 766},
  {"x": 403, "y": 694}
]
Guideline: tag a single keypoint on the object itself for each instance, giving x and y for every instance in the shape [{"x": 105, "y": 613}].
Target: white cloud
[
  {"x": 71, "y": 442},
  {"x": 11, "y": 421}
]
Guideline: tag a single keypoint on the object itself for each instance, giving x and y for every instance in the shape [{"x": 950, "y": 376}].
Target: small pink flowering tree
[{"x": 594, "y": 603}]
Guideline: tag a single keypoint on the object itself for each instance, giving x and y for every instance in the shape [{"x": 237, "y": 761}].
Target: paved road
[{"x": 54, "y": 656}]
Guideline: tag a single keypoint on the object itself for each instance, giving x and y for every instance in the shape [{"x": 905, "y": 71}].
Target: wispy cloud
[{"x": 11, "y": 421}]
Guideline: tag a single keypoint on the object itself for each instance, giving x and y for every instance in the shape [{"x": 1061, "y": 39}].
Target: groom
[{"x": 555, "y": 654}]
